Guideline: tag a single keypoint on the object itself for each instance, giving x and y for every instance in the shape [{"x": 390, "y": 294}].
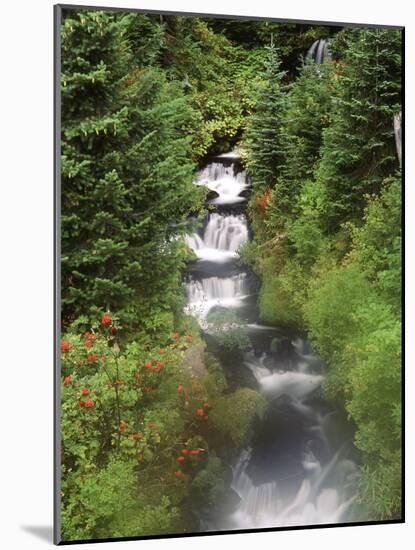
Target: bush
[
  {"x": 208, "y": 485},
  {"x": 233, "y": 414}
]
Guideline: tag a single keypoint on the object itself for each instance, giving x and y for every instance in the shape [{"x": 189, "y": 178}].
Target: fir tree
[
  {"x": 306, "y": 114},
  {"x": 263, "y": 137},
  {"x": 359, "y": 149},
  {"x": 126, "y": 176}
]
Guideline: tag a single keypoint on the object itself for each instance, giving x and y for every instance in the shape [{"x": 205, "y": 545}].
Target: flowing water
[
  {"x": 319, "y": 51},
  {"x": 301, "y": 466}
]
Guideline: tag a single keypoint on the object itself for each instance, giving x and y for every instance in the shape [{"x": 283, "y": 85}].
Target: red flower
[
  {"x": 162, "y": 350},
  {"x": 200, "y": 412},
  {"x": 67, "y": 380},
  {"x": 123, "y": 425},
  {"x": 65, "y": 345},
  {"x": 177, "y": 336},
  {"x": 159, "y": 366},
  {"x": 106, "y": 319},
  {"x": 92, "y": 357},
  {"x": 178, "y": 473},
  {"x": 180, "y": 388},
  {"x": 195, "y": 452},
  {"x": 88, "y": 343},
  {"x": 104, "y": 359},
  {"x": 180, "y": 458},
  {"x": 87, "y": 404},
  {"x": 85, "y": 391},
  {"x": 184, "y": 451},
  {"x": 148, "y": 365},
  {"x": 113, "y": 328},
  {"x": 135, "y": 436},
  {"x": 334, "y": 62},
  {"x": 119, "y": 382}
]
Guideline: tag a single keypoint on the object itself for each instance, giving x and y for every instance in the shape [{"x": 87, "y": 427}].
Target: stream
[{"x": 301, "y": 465}]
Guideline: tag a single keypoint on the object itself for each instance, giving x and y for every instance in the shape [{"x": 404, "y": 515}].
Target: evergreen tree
[
  {"x": 306, "y": 114},
  {"x": 359, "y": 149},
  {"x": 126, "y": 175},
  {"x": 263, "y": 136}
]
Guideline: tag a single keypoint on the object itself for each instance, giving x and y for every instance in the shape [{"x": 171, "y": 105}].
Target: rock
[{"x": 193, "y": 359}]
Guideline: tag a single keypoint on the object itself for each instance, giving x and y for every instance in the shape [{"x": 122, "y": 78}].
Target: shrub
[{"x": 233, "y": 414}]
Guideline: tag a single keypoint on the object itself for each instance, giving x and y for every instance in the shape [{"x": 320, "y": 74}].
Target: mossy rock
[{"x": 232, "y": 415}]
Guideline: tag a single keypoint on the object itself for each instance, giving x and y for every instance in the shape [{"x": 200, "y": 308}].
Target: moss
[
  {"x": 233, "y": 415},
  {"x": 277, "y": 304},
  {"x": 208, "y": 485}
]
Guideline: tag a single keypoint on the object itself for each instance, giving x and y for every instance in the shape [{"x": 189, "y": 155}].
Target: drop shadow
[{"x": 43, "y": 532}]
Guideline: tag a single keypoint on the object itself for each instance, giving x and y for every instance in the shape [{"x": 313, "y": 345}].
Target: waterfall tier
[
  {"x": 226, "y": 180},
  {"x": 222, "y": 238}
]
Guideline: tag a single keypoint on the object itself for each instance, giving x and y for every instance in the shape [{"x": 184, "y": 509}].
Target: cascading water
[
  {"x": 222, "y": 238},
  {"x": 299, "y": 469},
  {"x": 318, "y": 51},
  {"x": 225, "y": 180}
]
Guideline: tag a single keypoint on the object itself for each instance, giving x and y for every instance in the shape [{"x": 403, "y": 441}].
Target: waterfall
[
  {"x": 318, "y": 51},
  {"x": 226, "y": 180},
  {"x": 222, "y": 238},
  {"x": 202, "y": 296}
]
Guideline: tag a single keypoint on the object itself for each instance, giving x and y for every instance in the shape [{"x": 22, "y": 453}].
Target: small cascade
[
  {"x": 205, "y": 294},
  {"x": 318, "y": 51},
  {"x": 222, "y": 238},
  {"x": 227, "y": 180}
]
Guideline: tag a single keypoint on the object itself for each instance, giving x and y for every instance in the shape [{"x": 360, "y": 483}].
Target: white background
[{"x": 26, "y": 282}]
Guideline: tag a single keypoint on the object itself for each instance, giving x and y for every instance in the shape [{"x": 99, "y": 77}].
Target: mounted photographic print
[{"x": 228, "y": 274}]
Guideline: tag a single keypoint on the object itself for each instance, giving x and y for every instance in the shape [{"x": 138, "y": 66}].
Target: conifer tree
[
  {"x": 263, "y": 136},
  {"x": 126, "y": 175},
  {"x": 306, "y": 113},
  {"x": 358, "y": 149}
]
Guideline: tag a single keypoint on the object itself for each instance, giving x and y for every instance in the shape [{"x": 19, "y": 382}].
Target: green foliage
[
  {"x": 377, "y": 244},
  {"x": 125, "y": 416},
  {"x": 126, "y": 175},
  {"x": 360, "y": 336},
  {"x": 262, "y": 138},
  {"x": 233, "y": 414},
  {"x": 358, "y": 147},
  {"x": 306, "y": 113},
  {"x": 208, "y": 485}
]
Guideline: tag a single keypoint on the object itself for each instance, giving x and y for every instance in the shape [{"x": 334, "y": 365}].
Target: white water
[
  {"x": 203, "y": 295},
  {"x": 226, "y": 181},
  {"x": 268, "y": 505},
  {"x": 222, "y": 238},
  {"x": 325, "y": 491}
]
